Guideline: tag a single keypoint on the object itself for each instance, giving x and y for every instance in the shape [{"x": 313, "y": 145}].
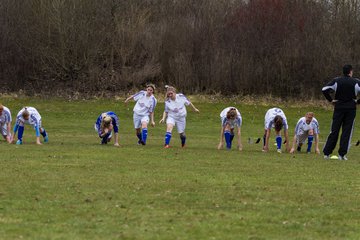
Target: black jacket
[{"x": 346, "y": 90}]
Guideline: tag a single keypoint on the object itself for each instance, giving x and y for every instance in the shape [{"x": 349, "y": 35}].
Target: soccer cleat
[
  {"x": 357, "y": 143},
  {"x": 166, "y": 146},
  {"x": 18, "y": 142},
  {"x": 343, "y": 158},
  {"x": 141, "y": 142},
  {"x": 326, "y": 157},
  {"x": 183, "y": 145},
  {"x": 46, "y": 139},
  {"x": 257, "y": 140},
  {"x": 298, "y": 149},
  {"x": 279, "y": 150}
]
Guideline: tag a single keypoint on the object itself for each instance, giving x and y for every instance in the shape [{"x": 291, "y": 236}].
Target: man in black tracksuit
[{"x": 346, "y": 89}]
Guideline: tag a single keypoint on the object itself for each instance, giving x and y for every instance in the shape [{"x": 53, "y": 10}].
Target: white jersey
[
  {"x": 144, "y": 105},
  {"x": 5, "y": 116},
  {"x": 302, "y": 127},
  {"x": 34, "y": 117},
  {"x": 270, "y": 116},
  {"x": 176, "y": 108},
  {"x": 236, "y": 122}
]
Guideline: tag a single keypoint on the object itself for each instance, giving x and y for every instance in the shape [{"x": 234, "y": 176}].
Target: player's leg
[
  {"x": 181, "y": 124},
  {"x": 170, "y": 123},
  {"x": 278, "y": 140},
  {"x": 137, "y": 126},
  {"x": 21, "y": 129},
  {"x": 144, "y": 127},
  {"x": 227, "y": 135},
  {"x": 310, "y": 139},
  {"x": 44, "y": 133}
]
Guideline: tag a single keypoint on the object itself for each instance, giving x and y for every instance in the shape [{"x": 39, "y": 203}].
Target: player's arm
[
  {"x": 152, "y": 121},
  {"x": 267, "y": 136},
  {"x": 37, "y": 133},
  {"x": 221, "y": 143},
  {"x": 286, "y": 133},
  {"x": 194, "y": 108},
  {"x": 9, "y": 137},
  {"x": 292, "y": 150},
  {"x": 129, "y": 98},
  {"x": 239, "y": 138},
  {"x": 163, "y": 117},
  {"x": 317, "y": 150},
  {"x": 328, "y": 89}
]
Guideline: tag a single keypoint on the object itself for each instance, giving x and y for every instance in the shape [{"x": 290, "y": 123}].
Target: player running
[
  {"x": 144, "y": 107},
  {"x": 29, "y": 115},
  {"x": 306, "y": 128},
  {"x": 5, "y": 123},
  {"x": 230, "y": 118},
  {"x": 275, "y": 118},
  {"x": 104, "y": 125},
  {"x": 175, "y": 114}
]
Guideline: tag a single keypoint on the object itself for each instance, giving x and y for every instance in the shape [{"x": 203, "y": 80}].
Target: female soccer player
[
  {"x": 307, "y": 128},
  {"x": 144, "y": 107},
  {"x": 275, "y": 118},
  {"x": 29, "y": 115},
  {"x": 104, "y": 125},
  {"x": 230, "y": 118},
  {"x": 5, "y": 123},
  {"x": 175, "y": 114}
]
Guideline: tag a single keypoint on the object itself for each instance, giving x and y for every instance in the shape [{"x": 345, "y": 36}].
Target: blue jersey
[{"x": 115, "y": 121}]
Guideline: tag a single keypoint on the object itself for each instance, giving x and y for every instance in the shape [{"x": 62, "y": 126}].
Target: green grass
[{"x": 74, "y": 188}]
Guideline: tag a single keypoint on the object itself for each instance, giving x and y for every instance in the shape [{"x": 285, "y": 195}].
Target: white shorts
[
  {"x": 180, "y": 123},
  {"x": 302, "y": 137},
  {"x": 4, "y": 132},
  {"x": 231, "y": 123},
  {"x": 138, "y": 119}
]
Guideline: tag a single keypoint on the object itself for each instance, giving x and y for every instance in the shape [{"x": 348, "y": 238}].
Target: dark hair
[
  {"x": 278, "y": 123},
  {"x": 347, "y": 69}
]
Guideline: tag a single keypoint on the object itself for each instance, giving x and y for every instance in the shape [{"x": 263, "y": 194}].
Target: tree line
[{"x": 285, "y": 48}]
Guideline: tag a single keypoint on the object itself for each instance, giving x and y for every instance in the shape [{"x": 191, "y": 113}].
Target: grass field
[{"x": 75, "y": 188}]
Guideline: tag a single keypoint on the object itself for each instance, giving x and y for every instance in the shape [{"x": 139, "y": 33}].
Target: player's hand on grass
[
  {"x": 161, "y": 121},
  {"x": 292, "y": 150},
  {"x": 265, "y": 149},
  {"x": 153, "y": 124},
  {"x": 116, "y": 144},
  {"x": 220, "y": 146},
  {"x": 317, "y": 151},
  {"x": 240, "y": 147}
]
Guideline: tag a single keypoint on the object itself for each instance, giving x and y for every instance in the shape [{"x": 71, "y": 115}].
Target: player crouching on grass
[
  {"x": 29, "y": 115},
  {"x": 175, "y": 114},
  {"x": 5, "y": 123},
  {"x": 144, "y": 107},
  {"x": 230, "y": 117},
  {"x": 306, "y": 128},
  {"x": 104, "y": 125},
  {"x": 275, "y": 118}
]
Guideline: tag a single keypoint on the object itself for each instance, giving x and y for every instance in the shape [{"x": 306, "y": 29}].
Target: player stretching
[
  {"x": 230, "y": 118},
  {"x": 104, "y": 125},
  {"x": 5, "y": 123},
  {"x": 175, "y": 112},
  {"x": 144, "y": 107},
  {"x": 275, "y": 118},
  {"x": 29, "y": 115},
  {"x": 306, "y": 128}
]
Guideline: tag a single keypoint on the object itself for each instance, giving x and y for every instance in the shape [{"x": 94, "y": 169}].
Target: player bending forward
[
  {"x": 105, "y": 124},
  {"x": 29, "y": 115},
  {"x": 307, "y": 128},
  {"x": 230, "y": 118}
]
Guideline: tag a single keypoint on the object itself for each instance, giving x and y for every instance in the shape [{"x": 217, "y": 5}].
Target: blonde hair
[
  {"x": 1, "y": 107},
  {"x": 106, "y": 120},
  {"x": 25, "y": 113},
  {"x": 169, "y": 89}
]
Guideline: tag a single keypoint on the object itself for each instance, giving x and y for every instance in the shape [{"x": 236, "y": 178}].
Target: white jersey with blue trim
[
  {"x": 144, "y": 105},
  {"x": 237, "y": 121},
  {"x": 270, "y": 116},
  {"x": 302, "y": 126},
  {"x": 176, "y": 108},
  {"x": 34, "y": 117},
  {"x": 5, "y": 116}
]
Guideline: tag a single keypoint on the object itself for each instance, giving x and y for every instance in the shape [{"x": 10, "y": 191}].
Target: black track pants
[{"x": 342, "y": 118}]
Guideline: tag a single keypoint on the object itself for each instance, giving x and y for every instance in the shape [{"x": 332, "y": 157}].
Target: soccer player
[
  {"x": 345, "y": 89},
  {"x": 105, "y": 124},
  {"x": 144, "y": 107},
  {"x": 29, "y": 115},
  {"x": 307, "y": 128},
  {"x": 5, "y": 123},
  {"x": 275, "y": 118},
  {"x": 230, "y": 118},
  {"x": 175, "y": 112}
]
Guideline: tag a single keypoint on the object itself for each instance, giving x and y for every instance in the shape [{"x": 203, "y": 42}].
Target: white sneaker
[
  {"x": 343, "y": 158},
  {"x": 279, "y": 150},
  {"x": 326, "y": 157}
]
